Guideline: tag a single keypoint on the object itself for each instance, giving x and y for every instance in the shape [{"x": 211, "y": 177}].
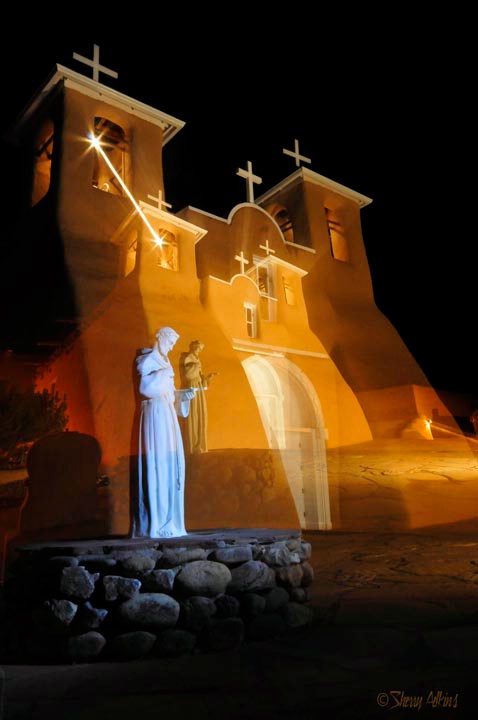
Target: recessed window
[
  {"x": 130, "y": 254},
  {"x": 283, "y": 219},
  {"x": 167, "y": 254},
  {"x": 263, "y": 279},
  {"x": 113, "y": 143},
  {"x": 338, "y": 242},
  {"x": 250, "y": 312},
  {"x": 43, "y": 156},
  {"x": 263, "y": 274},
  {"x": 289, "y": 293}
]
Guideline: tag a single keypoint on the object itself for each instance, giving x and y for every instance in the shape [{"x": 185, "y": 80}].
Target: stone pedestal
[{"x": 118, "y": 599}]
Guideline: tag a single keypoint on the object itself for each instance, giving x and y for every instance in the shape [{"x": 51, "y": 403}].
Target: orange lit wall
[{"x": 364, "y": 378}]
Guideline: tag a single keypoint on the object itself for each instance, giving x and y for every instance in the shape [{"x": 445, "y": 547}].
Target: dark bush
[{"x": 27, "y": 416}]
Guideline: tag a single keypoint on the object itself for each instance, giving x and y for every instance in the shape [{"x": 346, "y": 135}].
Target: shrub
[{"x": 26, "y": 416}]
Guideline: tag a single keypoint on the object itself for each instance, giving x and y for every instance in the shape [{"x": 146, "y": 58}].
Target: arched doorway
[{"x": 292, "y": 419}]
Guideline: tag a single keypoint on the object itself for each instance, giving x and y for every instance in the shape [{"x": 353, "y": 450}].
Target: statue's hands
[
  {"x": 188, "y": 394},
  {"x": 183, "y": 401},
  {"x": 210, "y": 376}
]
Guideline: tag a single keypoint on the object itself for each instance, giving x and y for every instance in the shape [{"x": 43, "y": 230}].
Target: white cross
[
  {"x": 95, "y": 64},
  {"x": 251, "y": 179},
  {"x": 242, "y": 260},
  {"x": 159, "y": 199},
  {"x": 267, "y": 248},
  {"x": 296, "y": 154}
]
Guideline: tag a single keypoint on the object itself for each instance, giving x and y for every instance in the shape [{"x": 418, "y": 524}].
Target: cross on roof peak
[
  {"x": 240, "y": 258},
  {"x": 298, "y": 157},
  {"x": 251, "y": 179},
  {"x": 95, "y": 64}
]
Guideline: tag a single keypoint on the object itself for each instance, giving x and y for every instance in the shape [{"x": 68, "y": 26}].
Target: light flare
[{"x": 95, "y": 142}]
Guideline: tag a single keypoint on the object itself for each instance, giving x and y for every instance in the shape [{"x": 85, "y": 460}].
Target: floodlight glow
[{"x": 95, "y": 142}]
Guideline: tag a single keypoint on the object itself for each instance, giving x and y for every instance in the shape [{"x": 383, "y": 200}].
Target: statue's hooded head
[{"x": 167, "y": 338}]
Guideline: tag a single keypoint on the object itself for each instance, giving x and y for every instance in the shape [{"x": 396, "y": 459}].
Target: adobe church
[{"x": 279, "y": 292}]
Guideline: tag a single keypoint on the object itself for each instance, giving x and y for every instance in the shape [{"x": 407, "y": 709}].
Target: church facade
[{"x": 279, "y": 293}]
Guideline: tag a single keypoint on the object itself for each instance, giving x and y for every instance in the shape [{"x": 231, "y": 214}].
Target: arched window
[
  {"x": 263, "y": 274},
  {"x": 289, "y": 291},
  {"x": 167, "y": 254},
  {"x": 131, "y": 247},
  {"x": 113, "y": 142},
  {"x": 43, "y": 156},
  {"x": 338, "y": 242},
  {"x": 282, "y": 218}
]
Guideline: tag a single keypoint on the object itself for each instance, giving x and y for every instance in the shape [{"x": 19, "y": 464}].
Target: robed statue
[
  {"x": 192, "y": 376},
  {"x": 159, "y": 507}
]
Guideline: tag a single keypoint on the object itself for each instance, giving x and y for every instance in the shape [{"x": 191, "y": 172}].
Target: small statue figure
[
  {"x": 195, "y": 430},
  {"x": 159, "y": 511}
]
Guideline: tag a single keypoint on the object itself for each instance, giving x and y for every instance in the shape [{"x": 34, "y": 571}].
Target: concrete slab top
[{"x": 197, "y": 538}]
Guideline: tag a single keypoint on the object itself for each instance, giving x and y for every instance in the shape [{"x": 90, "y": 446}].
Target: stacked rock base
[{"x": 122, "y": 600}]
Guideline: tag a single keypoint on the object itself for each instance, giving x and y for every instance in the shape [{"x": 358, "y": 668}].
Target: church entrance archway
[{"x": 292, "y": 418}]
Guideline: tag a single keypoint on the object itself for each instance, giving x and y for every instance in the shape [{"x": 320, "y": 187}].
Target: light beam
[{"x": 95, "y": 142}]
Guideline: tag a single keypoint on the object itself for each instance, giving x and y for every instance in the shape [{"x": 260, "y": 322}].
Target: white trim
[
  {"x": 207, "y": 214},
  {"x": 220, "y": 280},
  {"x": 259, "y": 352},
  {"x": 236, "y": 208},
  {"x": 283, "y": 263},
  {"x": 234, "y": 277},
  {"x": 278, "y": 348},
  {"x": 304, "y": 174},
  {"x": 168, "y": 217},
  {"x": 243, "y": 275},
  {"x": 301, "y": 247},
  {"x": 87, "y": 86},
  {"x": 264, "y": 261}
]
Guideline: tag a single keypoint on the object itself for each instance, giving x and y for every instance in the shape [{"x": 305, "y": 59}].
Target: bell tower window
[
  {"x": 282, "y": 217},
  {"x": 113, "y": 142},
  {"x": 167, "y": 254},
  {"x": 263, "y": 275},
  {"x": 130, "y": 251},
  {"x": 338, "y": 242},
  {"x": 289, "y": 291},
  {"x": 43, "y": 156}
]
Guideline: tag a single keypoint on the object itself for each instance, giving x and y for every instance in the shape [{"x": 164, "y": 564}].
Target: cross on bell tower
[
  {"x": 158, "y": 199},
  {"x": 296, "y": 155},
  {"x": 95, "y": 64}
]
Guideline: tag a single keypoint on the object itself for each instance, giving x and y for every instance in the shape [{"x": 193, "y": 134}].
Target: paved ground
[
  {"x": 396, "y": 636},
  {"x": 399, "y": 485}
]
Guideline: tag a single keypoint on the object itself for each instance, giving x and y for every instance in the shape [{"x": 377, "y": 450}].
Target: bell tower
[
  {"x": 94, "y": 151},
  {"x": 323, "y": 216}
]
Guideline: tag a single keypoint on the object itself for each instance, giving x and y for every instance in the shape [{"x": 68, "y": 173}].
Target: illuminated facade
[{"x": 279, "y": 293}]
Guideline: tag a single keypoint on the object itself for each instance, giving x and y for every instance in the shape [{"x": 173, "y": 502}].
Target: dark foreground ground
[{"x": 395, "y": 636}]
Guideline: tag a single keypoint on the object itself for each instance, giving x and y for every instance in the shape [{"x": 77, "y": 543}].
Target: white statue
[
  {"x": 159, "y": 510},
  {"x": 192, "y": 377}
]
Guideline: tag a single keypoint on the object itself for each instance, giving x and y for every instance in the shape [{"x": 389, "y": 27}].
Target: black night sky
[{"x": 382, "y": 104}]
